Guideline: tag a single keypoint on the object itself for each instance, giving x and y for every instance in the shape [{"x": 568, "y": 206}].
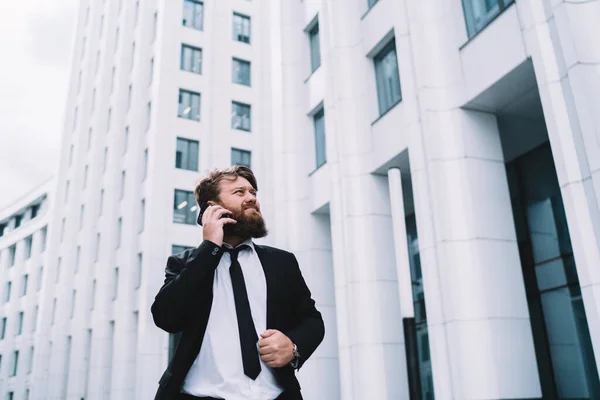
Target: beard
[{"x": 249, "y": 224}]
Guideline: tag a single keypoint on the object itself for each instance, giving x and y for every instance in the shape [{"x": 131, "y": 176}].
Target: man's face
[{"x": 239, "y": 197}]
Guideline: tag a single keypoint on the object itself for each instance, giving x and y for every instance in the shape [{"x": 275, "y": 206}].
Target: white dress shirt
[{"x": 218, "y": 370}]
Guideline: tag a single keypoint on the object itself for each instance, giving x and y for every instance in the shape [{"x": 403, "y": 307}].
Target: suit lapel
[{"x": 268, "y": 263}]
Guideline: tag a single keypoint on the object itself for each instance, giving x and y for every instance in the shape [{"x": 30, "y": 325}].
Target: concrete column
[
  {"x": 565, "y": 48},
  {"x": 307, "y": 235},
  {"x": 476, "y": 306},
  {"x": 369, "y": 322}
]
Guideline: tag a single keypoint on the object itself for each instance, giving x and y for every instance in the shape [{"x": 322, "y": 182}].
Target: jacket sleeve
[
  {"x": 188, "y": 282},
  {"x": 310, "y": 330}
]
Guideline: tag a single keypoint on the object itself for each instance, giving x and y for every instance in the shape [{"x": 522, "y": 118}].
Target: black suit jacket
[{"x": 184, "y": 302}]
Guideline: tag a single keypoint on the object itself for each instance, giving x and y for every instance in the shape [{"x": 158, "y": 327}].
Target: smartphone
[{"x": 226, "y": 216}]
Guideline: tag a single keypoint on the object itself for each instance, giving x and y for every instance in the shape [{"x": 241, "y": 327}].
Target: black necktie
[{"x": 247, "y": 331}]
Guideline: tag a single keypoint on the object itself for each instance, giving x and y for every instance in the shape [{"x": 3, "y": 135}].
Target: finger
[
  {"x": 228, "y": 221},
  {"x": 266, "y": 350},
  {"x": 268, "y": 358},
  {"x": 268, "y": 333}
]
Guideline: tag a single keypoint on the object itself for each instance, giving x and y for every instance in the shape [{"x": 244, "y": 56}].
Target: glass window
[
  {"x": 143, "y": 214},
  {"x": 148, "y": 115},
  {"x": 145, "y": 166},
  {"x": 371, "y": 2},
  {"x": 8, "y": 290},
  {"x": 189, "y": 105},
  {"x": 241, "y": 72},
  {"x": 2, "y": 229},
  {"x": 123, "y": 179},
  {"x": 15, "y": 363},
  {"x": 40, "y": 278},
  {"x": 44, "y": 238},
  {"x": 119, "y": 231},
  {"x": 18, "y": 220},
  {"x": 184, "y": 207},
  {"x": 191, "y": 59},
  {"x": 186, "y": 156},
  {"x": 241, "y": 28},
  {"x": 193, "y": 14},
  {"x": 240, "y": 116},
  {"x": 12, "y": 252},
  {"x": 28, "y": 243},
  {"x": 25, "y": 282},
  {"x": 140, "y": 263},
  {"x": 35, "y": 210},
  {"x": 3, "y": 329},
  {"x": 116, "y": 284},
  {"x": 20, "y": 324},
  {"x": 478, "y": 13},
  {"x": 30, "y": 366},
  {"x": 176, "y": 249},
  {"x": 315, "y": 48},
  {"x": 319, "y": 123},
  {"x": 125, "y": 139},
  {"x": 240, "y": 157},
  {"x": 388, "y": 78}
]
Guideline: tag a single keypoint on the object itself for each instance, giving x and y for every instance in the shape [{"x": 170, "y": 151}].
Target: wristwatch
[{"x": 296, "y": 361}]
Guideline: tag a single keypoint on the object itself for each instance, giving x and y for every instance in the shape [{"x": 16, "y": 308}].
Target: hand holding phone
[{"x": 213, "y": 220}]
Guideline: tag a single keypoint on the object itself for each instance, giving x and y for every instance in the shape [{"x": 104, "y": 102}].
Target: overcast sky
[{"x": 36, "y": 39}]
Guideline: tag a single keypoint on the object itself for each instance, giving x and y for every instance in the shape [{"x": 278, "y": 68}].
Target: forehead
[{"x": 228, "y": 184}]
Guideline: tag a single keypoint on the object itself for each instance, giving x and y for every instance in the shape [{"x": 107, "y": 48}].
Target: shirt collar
[{"x": 248, "y": 242}]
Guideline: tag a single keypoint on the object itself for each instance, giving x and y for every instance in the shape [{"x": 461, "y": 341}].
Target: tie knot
[{"x": 234, "y": 252}]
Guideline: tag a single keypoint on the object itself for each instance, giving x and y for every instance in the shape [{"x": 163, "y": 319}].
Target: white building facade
[
  {"x": 434, "y": 165},
  {"x": 24, "y": 229}
]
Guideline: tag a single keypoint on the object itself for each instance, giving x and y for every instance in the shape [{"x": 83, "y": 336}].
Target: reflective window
[
  {"x": 388, "y": 78},
  {"x": 176, "y": 249},
  {"x": 184, "y": 207},
  {"x": 319, "y": 123},
  {"x": 240, "y": 157},
  {"x": 241, "y": 72},
  {"x": 186, "y": 156},
  {"x": 315, "y": 48},
  {"x": 478, "y": 13},
  {"x": 191, "y": 59},
  {"x": 240, "y": 116},
  {"x": 189, "y": 105},
  {"x": 193, "y": 14},
  {"x": 241, "y": 28}
]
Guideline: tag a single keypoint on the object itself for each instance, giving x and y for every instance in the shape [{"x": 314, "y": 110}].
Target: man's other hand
[{"x": 276, "y": 349}]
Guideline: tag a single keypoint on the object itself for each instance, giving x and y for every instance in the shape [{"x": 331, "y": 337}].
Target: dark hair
[{"x": 207, "y": 189}]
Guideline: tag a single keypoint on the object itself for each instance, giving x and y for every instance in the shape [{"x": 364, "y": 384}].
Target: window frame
[
  {"x": 238, "y": 35},
  {"x": 188, "y": 143},
  {"x": 234, "y": 76},
  {"x": 236, "y": 106},
  {"x": 380, "y": 78},
  {"x": 181, "y": 110}
]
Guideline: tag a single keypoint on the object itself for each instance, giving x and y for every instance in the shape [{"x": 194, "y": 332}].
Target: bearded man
[{"x": 247, "y": 318}]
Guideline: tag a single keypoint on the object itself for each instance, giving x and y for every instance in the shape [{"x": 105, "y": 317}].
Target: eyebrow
[{"x": 243, "y": 188}]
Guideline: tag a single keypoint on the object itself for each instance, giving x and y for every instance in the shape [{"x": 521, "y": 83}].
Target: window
[
  {"x": 85, "y": 176},
  {"x": 143, "y": 214},
  {"x": 101, "y": 26},
  {"x": 388, "y": 79},
  {"x": 315, "y": 48},
  {"x": 189, "y": 105},
  {"x": 43, "y": 238},
  {"x": 8, "y": 290},
  {"x": 137, "y": 13},
  {"x": 2, "y": 229},
  {"x": 148, "y": 116},
  {"x": 97, "y": 63},
  {"x": 112, "y": 80},
  {"x": 71, "y": 155},
  {"x": 240, "y": 116},
  {"x": 83, "y": 45},
  {"x": 241, "y": 72},
  {"x": 479, "y": 13},
  {"x": 75, "y": 118},
  {"x": 58, "y": 265},
  {"x": 145, "y": 170},
  {"x": 125, "y": 139},
  {"x": 319, "y": 122},
  {"x": 24, "y": 285},
  {"x": 108, "y": 119},
  {"x": 62, "y": 229},
  {"x": 372, "y": 2},
  {"x": 35, "y": 210},
  {"x": 119, "y": 231},
  {"x": 140, "y": 260},
  {"x": 154, "y": 26},
  {"x": 186, "y": 156},
  {"x": 184, "y": 207},
  {"x": 117, "y": 40},
  {"x": 11, "y": 395},
  {"x": 20, "y": 324},
  {"x": 129, "y": 93},
  {"x": 93, "y": 295},
  {"x": 81, "y": 214},
  {"x": 116, "y": 284},
  {"x": 93, "y": 106},
  {"x": 18, "y": 220},
  {"x": 193, "y": 14},
  {"x": 176, "y": 249},
  {"x": 240, "y": 157},
  {"x": 53, "y": 316},
  {"x": 241, "y": 28},
  {"x": 132, "y": 55},
  {"x": 123, "y": 177},
  {"x": 79, "y": 82},
  {"x": 30, "y": 366},
  {"x": 12, "y": 252},
  {"x": 3, "y": 329},
  {"x": 15, "y": 363},
  {"x": 73, "y": 299},
  {"x": 105, "y": 159},
  {"x": 101, "y": 203},
  {"x": 191, "y": 59},
  {"x": 35, "y": 316},
  {"x": 77, "y": 257},
  {"x": 67, "y": 184},
  {"x": 97, "y": 256},
  {"x": 28, "y": 243}
]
